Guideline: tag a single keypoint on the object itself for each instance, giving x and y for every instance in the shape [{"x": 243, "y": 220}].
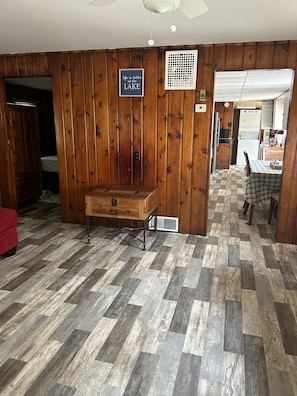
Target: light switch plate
[
  {"x": 202, "y": 94},
  {"x": 200, "y": 108}
]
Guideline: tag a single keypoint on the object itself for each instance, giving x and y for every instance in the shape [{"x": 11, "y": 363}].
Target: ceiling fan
[{"x": 191, "y": 8}]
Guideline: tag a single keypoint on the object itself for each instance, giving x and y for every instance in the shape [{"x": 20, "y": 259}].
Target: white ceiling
[
  {"x": 58, "y": 25},
  {"x": 252, "y": 85}
]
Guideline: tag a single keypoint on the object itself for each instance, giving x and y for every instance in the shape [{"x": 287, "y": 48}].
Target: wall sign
[{"x": 131, "y": 82}]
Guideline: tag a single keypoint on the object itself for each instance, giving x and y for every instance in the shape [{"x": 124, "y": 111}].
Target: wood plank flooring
[{"x": 214, "y": 315}]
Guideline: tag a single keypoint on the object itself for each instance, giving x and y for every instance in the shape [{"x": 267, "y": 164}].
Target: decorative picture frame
[{"x": 131, "y": 82}]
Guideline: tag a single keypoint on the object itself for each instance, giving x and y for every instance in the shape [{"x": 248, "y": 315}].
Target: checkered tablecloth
[{"x": 262, "y": 181}]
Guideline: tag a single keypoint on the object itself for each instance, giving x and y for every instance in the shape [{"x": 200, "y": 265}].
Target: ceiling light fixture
[
  {"x": 160, "y": 6},
  {"x": 151, "y": 42},
  {"x": 191, "y": 8}
]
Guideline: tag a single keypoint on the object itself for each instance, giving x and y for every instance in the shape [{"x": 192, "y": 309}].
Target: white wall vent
[
  {"x": 164, "y": 223},
  {"x": 181, "y": 69}
]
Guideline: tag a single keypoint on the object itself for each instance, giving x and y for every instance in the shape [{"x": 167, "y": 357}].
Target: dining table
[{"x": 265, "y": 178}]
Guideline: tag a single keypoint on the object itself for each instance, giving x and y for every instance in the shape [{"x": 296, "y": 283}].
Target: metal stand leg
[
  {"x": 144, "y": 223},
  {"x": 143, "y": 235},
  {"x": 88, "y": 230}
]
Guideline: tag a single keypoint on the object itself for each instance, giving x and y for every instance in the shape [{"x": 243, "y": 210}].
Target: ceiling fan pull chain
[
  {"x": 173, "y": 26},
  {"x": 151, "y": 41}
]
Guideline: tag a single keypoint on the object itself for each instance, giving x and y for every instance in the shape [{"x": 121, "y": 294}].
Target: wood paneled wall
[
  {"x": 98, "y": 132},
  {"x": 225, "y": 114}
]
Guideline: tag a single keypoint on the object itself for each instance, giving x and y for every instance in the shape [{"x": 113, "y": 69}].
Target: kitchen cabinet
[{"x": 273, "y": 153}]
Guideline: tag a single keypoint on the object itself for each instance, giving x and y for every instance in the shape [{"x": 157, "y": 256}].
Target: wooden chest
[{"x": 122, "y": 202}]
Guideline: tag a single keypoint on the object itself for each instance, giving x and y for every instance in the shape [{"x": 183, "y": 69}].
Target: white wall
[
  {"x": 267, "y": 114},
  {"x": 281, "y": 111}
]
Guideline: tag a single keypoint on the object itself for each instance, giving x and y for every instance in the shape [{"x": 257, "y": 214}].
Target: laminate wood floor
[{"x": 191, "y": 315}]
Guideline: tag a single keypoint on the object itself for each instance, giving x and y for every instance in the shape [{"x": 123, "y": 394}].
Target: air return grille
[
  {"x": 181, "y": 69},
  {"x": 164, "y": 223}
]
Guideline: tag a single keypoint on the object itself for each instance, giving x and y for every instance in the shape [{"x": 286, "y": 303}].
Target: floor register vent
[{"x": 164, "y": 223}]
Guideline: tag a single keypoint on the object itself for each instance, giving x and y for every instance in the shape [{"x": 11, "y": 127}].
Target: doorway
[
  {"x": 251, "y": 89},
  {"x": 38, "y": 146}
]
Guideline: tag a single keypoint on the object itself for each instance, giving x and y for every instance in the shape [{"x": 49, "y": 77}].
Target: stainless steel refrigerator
[{"x": 215, "y": 140}]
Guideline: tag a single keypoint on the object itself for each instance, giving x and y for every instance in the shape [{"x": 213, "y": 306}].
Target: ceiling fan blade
[
  {"x": 193, "y": 8},
  {"x": 101, "y": 3}
]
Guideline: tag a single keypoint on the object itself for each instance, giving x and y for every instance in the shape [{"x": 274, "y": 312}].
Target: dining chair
[
  {"x": 248, "y": 172},
  {"x": 274, "y": 200},
  {"x": 248, "y": 165}
]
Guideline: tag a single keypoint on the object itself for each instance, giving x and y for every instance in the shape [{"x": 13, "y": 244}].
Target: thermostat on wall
[{"x": 200, "y": 108}]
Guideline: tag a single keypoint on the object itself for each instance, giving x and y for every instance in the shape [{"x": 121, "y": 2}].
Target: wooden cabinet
[
  {"x": 223, "y": 156},
  {"x": 25, "y": 143},
  {"x": 273, "y": 153}
]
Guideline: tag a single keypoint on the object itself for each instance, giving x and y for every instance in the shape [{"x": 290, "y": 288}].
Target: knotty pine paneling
[
  {"x": 162, "y": 121},
  {"x": 219, "y": 57},
  {"x": 98, "y": 132},
  {"x": 22, "y": 65},
  {"x": 89, "y": 98},
  {"x": 56, "y": 67},
  {"x": 12, "y": 65},
  {"x": 125, "y": 123},
  {"x": 80, "y": 179},
  {"x": 174, "y": 145},
  {"x": 281, "y": 54},
  {"x": 7, "y": 187},
  {"x": 249, "y": 56},
  {"x": 114, "y": 127},
  {"x": 150, "y": 113},
  {"x": 201, "y": 143},
  {"x": 33, "y": 64},
  {"x": 186, "y": 170},
  {"x": 138, "y": 125},
  {"x": 68, "y": 135},
  {"x": 234, "y": 57},
  {"x": 292, "y": 55},
  {"x": 287, "y": 226},
  {"x": 265, "y": 55}
]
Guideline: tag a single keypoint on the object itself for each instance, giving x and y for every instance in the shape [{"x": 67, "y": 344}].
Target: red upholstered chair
[{"x": 8, "y": 232}]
